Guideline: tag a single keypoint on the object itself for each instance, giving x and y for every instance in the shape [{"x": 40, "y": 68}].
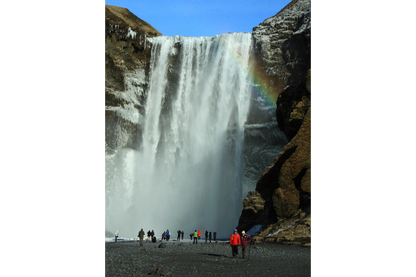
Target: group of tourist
[
  {"x": 235, "y": 239},
  {"x": 197, "y": 236},
  {"x": 166, "y": 236}
]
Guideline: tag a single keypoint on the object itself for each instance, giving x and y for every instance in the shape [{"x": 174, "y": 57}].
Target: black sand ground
[{"x": 187, "y": 259}]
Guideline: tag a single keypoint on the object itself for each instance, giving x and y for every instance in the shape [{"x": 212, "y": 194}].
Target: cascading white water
[{"x": 186, "y": 173}]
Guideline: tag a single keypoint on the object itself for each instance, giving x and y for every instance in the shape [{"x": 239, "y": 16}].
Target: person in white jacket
[{"x": 116, "y": 236}]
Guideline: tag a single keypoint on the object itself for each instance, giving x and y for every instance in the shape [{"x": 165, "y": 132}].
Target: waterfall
[{"x": 186, "y": 171}]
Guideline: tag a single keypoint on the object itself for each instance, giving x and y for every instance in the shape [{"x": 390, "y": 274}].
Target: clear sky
[{"x": 200, "y": 17}]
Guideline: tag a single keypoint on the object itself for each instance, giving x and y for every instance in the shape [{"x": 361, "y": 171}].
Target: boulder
[
  {"x": 158, "y": 272},
  {"x": 294, "y": 230}
]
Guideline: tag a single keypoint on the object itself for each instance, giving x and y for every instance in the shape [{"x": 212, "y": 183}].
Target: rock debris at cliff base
[{"x": 215, "y": 259}]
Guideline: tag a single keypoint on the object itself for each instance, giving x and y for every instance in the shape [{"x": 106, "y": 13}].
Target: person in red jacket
[
  {"x": 199, "y": 234},
  {"x": 244, "y": 242},
  {"x": 235, "y": 242}
]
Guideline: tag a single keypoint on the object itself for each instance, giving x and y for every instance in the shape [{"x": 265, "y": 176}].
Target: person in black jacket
[
  {"x": 141, "y": 235},
  {"x": 179, "y": 235},
  {"x": 206, "y": 236},
  {"x": 182, "y": 234},
  {"x": 210, "y": 233},
  {"x": 215, "y": 235}
]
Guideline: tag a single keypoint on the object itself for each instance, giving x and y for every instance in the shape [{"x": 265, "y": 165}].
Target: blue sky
[{"x": 200, "y": 17}]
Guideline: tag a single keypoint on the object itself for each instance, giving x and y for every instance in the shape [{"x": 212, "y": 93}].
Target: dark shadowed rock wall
[{"x": 281, "y": 203}]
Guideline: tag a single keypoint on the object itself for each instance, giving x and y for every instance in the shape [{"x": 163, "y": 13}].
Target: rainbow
[
  {"x": 260, "y": 88},
  {"x": 259, "y": 82}
]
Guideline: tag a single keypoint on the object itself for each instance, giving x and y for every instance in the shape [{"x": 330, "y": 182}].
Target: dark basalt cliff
[
  {"x": 292, "y": 105},
  {"x": 281, "y": 201}
]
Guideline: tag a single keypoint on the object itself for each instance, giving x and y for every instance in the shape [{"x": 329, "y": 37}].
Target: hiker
[
  {"x": 167, "y": 235},
  {"x": 152, "y": 234},
  {"x": 210, "y": 233},
  {"x": 163, "y": 235},
  {"x": 116, "y": 235},
  {"x": 179, "y": 235},
  {"x": 182, "y": 234},
  {"x": 148, "y": 235},
  {"x": 154, "y": 239},
  {"x": 206, "y": 236},
  {"x": 199, "y": 234},
  {"x": 195, "y": 237},
  {"x": 215, "y": 235},
  {"x": 191, "y": 235},
  {"x": 244, "y": 242},
  {"x": 235, "y": 242},
  {"x": 141, "y": 235}
]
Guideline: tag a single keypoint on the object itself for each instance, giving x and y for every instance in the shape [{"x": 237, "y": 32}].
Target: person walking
[
  {"x": 210, "y": 234},
  {"x": 141, "y": 235},
  {"x": 167, "y": 235},
  {"x": 148, "y": 235},
  {"x": 215, "y": 235},
  {"x": 235, "y": 242},
  {"x": 244, "y": 242},
  {"x": 182, "y": 234},
  {"x": 199, "y": 234},
  {"x": 179, "y": 235},
  {"x": 206, "y": 236},
  {"x": 116, "y": 235},
  {"x": 195, "y": 237}
]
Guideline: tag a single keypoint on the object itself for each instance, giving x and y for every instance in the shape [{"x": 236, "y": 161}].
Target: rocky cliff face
[
  {"x": 282, "y": 46},
  {"x": 281, "y": 202},
  {"x": 284, "y": 188},
  {"x": 292, "y": 105},
  {"x": 127, "y": 56}
]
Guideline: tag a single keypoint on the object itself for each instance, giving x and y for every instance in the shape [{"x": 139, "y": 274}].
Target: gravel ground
[{"x": 215, "y": 259}]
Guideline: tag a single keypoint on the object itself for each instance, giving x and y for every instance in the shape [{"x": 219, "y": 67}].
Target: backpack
[{"x": 232, "y": 236}]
